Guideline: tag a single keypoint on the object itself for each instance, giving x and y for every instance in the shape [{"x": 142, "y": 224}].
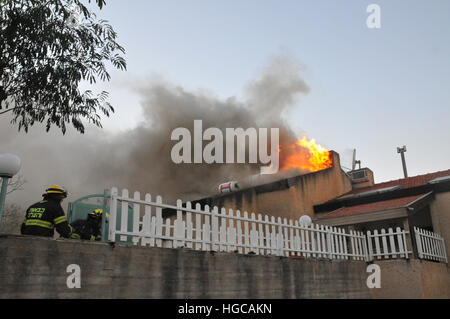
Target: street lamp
[
  {"x": 9, "y": 166},
  {"x": 305, "y": 220}
]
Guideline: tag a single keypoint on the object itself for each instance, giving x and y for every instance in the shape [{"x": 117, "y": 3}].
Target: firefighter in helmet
[
  {"x": 89, "y": 228},
  {"x": 43, "y": 217}
]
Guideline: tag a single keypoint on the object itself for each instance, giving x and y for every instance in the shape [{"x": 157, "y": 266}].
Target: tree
[
  {"x": 15, "y": 184},
  {"x": 46, "y": 51},
  {"x": 13, "y": 217},
  {"x": 13, "y": 214}
]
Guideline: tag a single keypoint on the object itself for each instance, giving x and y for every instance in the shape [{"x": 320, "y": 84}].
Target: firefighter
[
  {"x": 89, "y": 228},
  {"x": 43, "y": 217}
]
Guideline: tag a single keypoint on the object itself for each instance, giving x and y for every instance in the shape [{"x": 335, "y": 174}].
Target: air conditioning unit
[{"x": 359, "y": 175}]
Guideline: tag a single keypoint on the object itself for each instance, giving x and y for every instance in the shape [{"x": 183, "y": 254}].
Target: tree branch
[{"x": 15, "y": 184}]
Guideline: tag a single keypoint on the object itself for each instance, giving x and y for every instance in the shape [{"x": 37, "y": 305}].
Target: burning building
[
  {"x": 309, "y": 175},
  {"x": 333, "y": 197}
]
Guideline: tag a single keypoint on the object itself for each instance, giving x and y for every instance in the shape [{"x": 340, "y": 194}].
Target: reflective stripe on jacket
[{"x": 43, "y": 217}]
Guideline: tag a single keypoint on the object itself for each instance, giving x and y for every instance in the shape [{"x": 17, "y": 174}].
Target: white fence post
[
  {"x": 317, "y": 242},
  {"x": 158, "y": 222},
  {"x": 385, "y": 250},
  {"x": 221, "y": 224},
  {"x": 231, "y": 233},
  {"x": 365, "y": 251},
  {"x": 369, "y": 244},
  {"x": 313, "y": 241},
  {"x": 392, "y": 243},
  {"x": 359, "y": 245},
  {"x": 198, "y": 228},
  {"x": 124, "y": 214},
  {"x": 297, "y": 241},
  {"x": 113, "y": 215},
  {"x": 406, "y": 244},
  {"x": 418, "y": 242},
  {"x": 279, "y": 238},
  {"x": 215, "y": 229},
  {"x": 330, "y": 252},
  {"x": 246, "y": 234},
  {"x": 206, "y": 239},
  {"x": 260, "y": 235},
  {"x": 136, "y": 217},
  {"x": 168, "y": 232},
  {"x": 268, "y": 239},
  {"x": 324, "y": 243},
  {"x": 239, "y": 231},
  {"x": 401, "y": 245},
  {"x": 307, "y": 241},
  {"x": 189, "y": 226},
  {"x": 178, "y": 230},
  {"x": 253, "y": 235},
  {"x": 147, "y": 222}
]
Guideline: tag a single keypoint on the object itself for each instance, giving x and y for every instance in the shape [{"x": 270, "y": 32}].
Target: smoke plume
[{"x": 139, "y": 159}]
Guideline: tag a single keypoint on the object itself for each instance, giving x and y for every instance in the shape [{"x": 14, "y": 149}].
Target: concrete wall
[
  {"x": 32, "y": 267},
  {"x": 413, "y": 279},
  {"x": 290, "y": 201},
  {"x": 440, "y": 215}
]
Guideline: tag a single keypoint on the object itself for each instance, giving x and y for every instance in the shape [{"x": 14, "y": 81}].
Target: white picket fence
[
  {"x": 430, "y": 245},
  {"x": 390, "y": 244},
  {"x": 211, "y": 229}
]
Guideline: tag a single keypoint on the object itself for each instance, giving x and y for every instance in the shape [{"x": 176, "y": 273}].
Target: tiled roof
[
  {"x": 372, "y": 207},
  {"x": 386, "y": 204},
  {"x": 403, "y": 183}
]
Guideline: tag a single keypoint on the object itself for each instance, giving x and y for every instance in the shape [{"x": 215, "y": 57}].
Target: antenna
[{"x": 354, "y": 161}]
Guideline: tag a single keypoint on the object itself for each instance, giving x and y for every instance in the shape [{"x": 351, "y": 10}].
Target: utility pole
[
  {"x": 354, "y": 159},
  {"x": 402, "y": 151}
]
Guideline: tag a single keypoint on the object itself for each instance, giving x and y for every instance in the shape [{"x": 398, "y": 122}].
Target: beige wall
[
  {"x": 295, "y": 201},
  {"x": 435, "y": 280},
  {"x": 440, "y": 214},
  {"x": 412, "y": 279}
]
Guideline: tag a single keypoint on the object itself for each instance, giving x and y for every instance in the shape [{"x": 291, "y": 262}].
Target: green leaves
[{"x": 43, "y": 60}]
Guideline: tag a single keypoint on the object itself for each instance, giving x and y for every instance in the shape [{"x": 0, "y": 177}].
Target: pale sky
[{"x": 371, "y": 89}]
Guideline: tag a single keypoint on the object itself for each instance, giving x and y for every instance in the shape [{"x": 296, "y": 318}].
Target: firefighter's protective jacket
[
  {"x": 43, "y": 217},
  {"x": 87, "y": 228}
]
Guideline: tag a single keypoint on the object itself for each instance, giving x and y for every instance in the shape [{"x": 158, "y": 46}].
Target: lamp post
[
  {"x": 305, "y": 220},
  {"x": 9, "y": 166}
]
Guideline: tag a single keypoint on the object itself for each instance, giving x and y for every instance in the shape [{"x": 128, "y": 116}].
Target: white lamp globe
[
  {"x": 305, "y": 220},
  {"x": 9, "y": 165}
]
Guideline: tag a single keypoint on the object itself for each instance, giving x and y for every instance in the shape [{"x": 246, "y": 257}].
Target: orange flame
[{"x": 307, "y": 155}]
